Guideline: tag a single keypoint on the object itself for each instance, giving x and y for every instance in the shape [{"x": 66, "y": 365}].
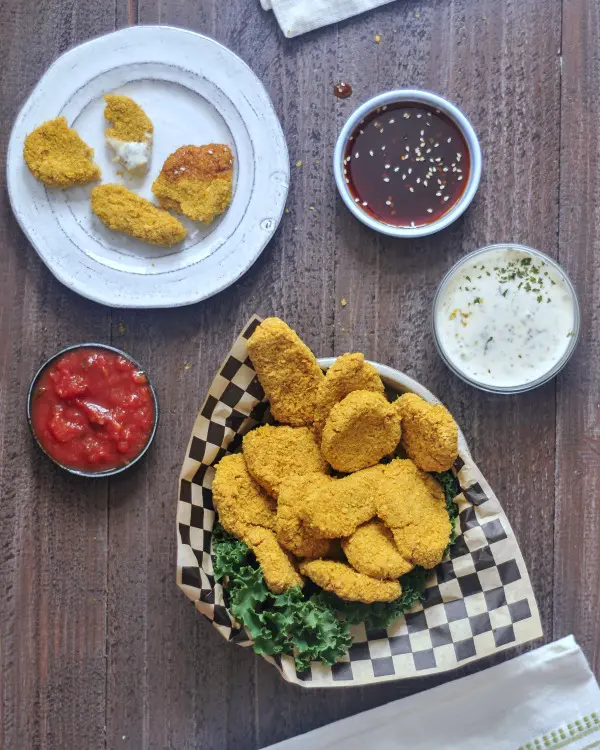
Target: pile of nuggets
[{"x": 311, "y": 496}]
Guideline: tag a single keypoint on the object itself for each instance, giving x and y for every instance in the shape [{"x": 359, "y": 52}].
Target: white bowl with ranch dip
[{"x": 506, "y": 318}]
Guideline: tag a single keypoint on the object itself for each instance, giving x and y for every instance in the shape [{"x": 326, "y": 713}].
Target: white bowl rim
[
  {"x": 553, "y": 371},
  {"x": 420, "y": 96}
]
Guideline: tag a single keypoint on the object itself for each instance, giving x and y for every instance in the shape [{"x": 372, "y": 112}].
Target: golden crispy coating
[
  {"x": 429, "y": 433},
  {"x": 277, "y": 566},
  {"x": 275, "y": 453},
  {"x": 239, "y": 500},
  {"x": 57, "y": 156},
  {"x": 412, "y": 505},
  {"x": 287, "y": 370},
  {"x": 348, "y": 373},
  {"x": 342, "y": 580},
  {"x": 371, "y": 550},
  {"x": 122, "y": 210},
  {"x": 196, "y": 181},
  {"x": 335, "y": 507},
  {"x": 128, "y": 120},
  {"x": 360, "y": 431},
  {"x": 291, "y": 531}
]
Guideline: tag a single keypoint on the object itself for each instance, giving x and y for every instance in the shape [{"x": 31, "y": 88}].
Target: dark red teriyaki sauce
[
  {"x": 92, "y": 409},
  {"x": 406, "y": 164}
]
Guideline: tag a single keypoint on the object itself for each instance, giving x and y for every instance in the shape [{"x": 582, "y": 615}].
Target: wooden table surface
[{"x": 99, "y": 649}]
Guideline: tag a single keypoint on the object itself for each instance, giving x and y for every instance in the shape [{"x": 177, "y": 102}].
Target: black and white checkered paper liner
[{"x": 478, "y": 601}]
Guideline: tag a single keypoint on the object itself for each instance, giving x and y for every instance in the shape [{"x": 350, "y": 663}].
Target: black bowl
[{"x": 83, "y": 472}]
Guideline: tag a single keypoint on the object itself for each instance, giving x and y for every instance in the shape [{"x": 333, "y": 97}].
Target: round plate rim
[{"x": 105, "y": 299}]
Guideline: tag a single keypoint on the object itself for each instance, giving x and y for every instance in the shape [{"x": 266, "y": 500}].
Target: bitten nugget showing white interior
[
  {"x": 239, "y": 500},
  {"x": 360, "y": 431},
  {"x": 287, "y": 370},
  {"x": 57, "y": 156},
  {"x": 371, "y": 550},
  {"x": 340, "y": 579},
  {"x": 429, "y": 433},
  {"x": 274, "y": 454},
  {"x": 277, "y": 565},
  {"x": 130, "y": 132},
  {"x": 348, "y": 373}
]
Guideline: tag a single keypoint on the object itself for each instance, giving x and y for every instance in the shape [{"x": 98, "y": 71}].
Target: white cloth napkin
[
  {"x": 549, "y": 695},
  {"x": 299, "y": 16}
]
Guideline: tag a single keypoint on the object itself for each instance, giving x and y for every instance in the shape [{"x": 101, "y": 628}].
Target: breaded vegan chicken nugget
[
  {"x": 411, "y": 503},
  {"x": 371, "y": 550},
  {"x": 277, "y": 565},
  {"x": 340, "y": 579},
  {"x": 429, "y": 433},
  {"x": 291, "y": 530},
  {"x": 122, "y": 210},
  {"x": 239, "y": 500},
  {"x": 334, "y": 508},
  {"x": 348, "y": 373},
  {"x": 359, "y": 431},
  {"x": 57, "y": 156},
  {"x": 287, "y": 370},
  {"x": 275, "y": 453},
  {"x": 196, "y": 181}
]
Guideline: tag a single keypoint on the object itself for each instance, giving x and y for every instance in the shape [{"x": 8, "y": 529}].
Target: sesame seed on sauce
[{"x": 411, "y": 196}]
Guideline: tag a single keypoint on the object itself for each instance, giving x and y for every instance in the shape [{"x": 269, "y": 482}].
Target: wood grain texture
[
  {"x": 98, "y": 647},
  {"x": 53, "y": 541},
  {"x": 577, "y": 529}
]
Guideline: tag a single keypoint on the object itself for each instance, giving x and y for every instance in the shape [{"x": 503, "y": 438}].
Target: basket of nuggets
[{"x": 319, "y": 514}]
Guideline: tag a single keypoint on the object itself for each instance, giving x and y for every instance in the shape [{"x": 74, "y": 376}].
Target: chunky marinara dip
[{"x": 92, "y": 409}]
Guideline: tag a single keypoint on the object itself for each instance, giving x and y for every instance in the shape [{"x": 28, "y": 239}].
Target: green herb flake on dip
[{"x": 505, "y": 317}]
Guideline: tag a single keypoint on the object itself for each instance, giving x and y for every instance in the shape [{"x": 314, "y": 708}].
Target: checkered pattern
[{"x": 478, "y": 600}]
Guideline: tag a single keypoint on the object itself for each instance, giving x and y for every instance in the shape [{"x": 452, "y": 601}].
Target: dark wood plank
[
  {"x": 577, "y": 528},
  {"x": 173, "y": 681},
  {"x": 52, "y": 526},
  {"x": 512, "y": 98}
]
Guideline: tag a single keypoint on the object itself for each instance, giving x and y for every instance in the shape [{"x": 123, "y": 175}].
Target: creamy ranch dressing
[
  {"x": 505, "y": 318},
  {"x": 133, "y": 155}
]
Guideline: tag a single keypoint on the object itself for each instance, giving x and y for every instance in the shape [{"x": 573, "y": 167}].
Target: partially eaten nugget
[
  {"x": 196, "y": 181},
  {"x": 124, "y": 211},
  {"x": 130, "y": 134},
  {"x": 57, "y": 156}
]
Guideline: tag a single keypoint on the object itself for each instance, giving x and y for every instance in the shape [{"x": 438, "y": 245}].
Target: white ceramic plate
[{"x": 195, "y": 91}]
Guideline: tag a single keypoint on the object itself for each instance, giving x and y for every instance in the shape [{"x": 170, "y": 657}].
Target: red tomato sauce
[{"x": 92, "y": 409}]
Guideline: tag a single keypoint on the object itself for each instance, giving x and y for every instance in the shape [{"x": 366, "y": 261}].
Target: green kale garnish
[{"x": 308, "y": 626}]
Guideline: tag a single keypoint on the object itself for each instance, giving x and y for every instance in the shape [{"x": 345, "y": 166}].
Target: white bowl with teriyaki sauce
[
  {"x": 407, "y": 163},
  {"x": 506, "y": 318}
]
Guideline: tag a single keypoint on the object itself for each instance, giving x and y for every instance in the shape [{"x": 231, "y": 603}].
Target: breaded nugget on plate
[
  {"x": 429, "y": 433},
  {"x": 334, "y": 508},
  {"x": 359, "y": 431},
  {"x": 275, "y": 453},
  {"x": 122, "y": 210},
  {"x": 57, "y": 156},
  {"x": 277, "y": 566},
  {"x": 412, "y": 504},
  {"x": 340, "y": 579},
  {"x": 130, "y": 133},
  {"x": 371, "y": 550},
  {"x": 348, "y": 373},
  {"x": 239, "y": 500},
  {"x": 291, "y": 530},
  {"x": 287, "y": 370},
  {"x": 196, "y": 181}
]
